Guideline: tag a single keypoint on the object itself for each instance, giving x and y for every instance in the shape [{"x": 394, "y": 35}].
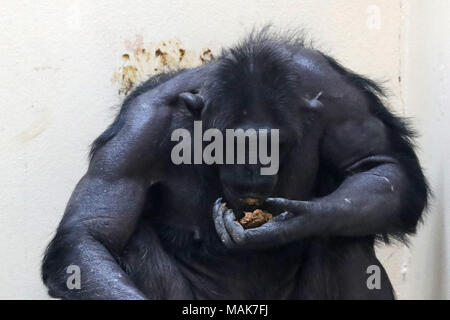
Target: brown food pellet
[{"x": 255, "y": 218}]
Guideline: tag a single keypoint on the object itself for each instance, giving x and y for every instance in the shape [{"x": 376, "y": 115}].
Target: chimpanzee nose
[{"x": 248, "y": 181}]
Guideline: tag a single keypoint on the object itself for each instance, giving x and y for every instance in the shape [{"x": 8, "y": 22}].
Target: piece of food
[{"x": 255, "y": 218}]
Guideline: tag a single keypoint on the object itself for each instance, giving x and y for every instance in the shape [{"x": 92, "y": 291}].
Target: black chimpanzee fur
[{"x": 141, "y": 227}]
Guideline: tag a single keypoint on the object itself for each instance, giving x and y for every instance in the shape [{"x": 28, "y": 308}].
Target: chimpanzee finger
[
  {"x": 233, "y": 227},
  {"x": 282, "y": 204},
  {"x": 218, "y": 211},
  {"x": 282, "y": 217}
]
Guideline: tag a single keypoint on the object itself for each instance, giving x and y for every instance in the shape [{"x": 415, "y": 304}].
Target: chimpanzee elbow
[
  {"x": 413, "y": 212},
  {"x": 54, "y": 264},
  {"x": 50, "y": 273},
  {"x": 414, "y": 200},
  {"x": 50, "y": 280}
]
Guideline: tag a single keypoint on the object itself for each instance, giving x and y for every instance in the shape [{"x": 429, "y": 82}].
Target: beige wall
[
  {"x": 427, "y": 73},
  {"x": 58, "y": 58}
]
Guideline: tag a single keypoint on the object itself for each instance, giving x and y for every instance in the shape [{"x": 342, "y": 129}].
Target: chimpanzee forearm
[
  {"x": 366, "y": 203},
  {"x": 98, "y": 221},
  {"x": 383, "y": 191},
  {"x": 374, "y": 199},
  {"x": 100, "y": 275}
]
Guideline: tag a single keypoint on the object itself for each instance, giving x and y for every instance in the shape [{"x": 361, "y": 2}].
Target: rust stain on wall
[{"x": 140, "y": 61}]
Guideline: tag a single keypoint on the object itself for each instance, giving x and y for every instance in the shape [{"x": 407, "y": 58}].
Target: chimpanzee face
[
  {"x": 265, "y": 101},
  {"x": 255, "y": 145}
]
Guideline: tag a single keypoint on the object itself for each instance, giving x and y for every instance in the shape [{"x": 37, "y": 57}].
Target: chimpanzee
[{"x": 142, "y": 227}]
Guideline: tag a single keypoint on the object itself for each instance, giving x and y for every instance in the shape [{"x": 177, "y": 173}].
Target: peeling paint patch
[{"x": 141, "y": 61}]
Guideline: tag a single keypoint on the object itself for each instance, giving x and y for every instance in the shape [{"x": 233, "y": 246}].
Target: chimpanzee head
[
  {"x": 263, "y": 84},
  {"x": 275, "y": 86}
]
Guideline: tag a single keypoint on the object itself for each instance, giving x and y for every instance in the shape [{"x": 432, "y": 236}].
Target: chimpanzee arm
[
  {"x": 383, "y": 190},
  {"x": 106, "y": 204},
  {"x": 98, "y": 221}
]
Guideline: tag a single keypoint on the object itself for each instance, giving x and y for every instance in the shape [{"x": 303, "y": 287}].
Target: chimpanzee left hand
[{"x": 271, "y": 234}]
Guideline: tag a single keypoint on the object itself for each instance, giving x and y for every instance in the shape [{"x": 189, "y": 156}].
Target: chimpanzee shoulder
[
  {"x": 119, "y": 120},
  {"x": 401, "y": 139}
]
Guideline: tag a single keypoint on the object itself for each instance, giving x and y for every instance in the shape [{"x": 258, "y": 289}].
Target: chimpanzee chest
[
  {"x": 244, "y": 275},
  {"x": 216, "y": 272},
  {"x": 185, "y": 226}
]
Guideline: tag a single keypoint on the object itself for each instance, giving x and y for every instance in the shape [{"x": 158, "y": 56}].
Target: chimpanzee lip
[{"x": 244, "y": 202}]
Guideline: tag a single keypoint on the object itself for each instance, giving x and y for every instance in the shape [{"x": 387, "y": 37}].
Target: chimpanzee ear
[{"x": 193, "y": 102}]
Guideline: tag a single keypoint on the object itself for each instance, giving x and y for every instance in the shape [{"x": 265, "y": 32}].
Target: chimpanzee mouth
[
  {"x": 245, "y": 202},
  {"x": 251, "y": 203}
]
